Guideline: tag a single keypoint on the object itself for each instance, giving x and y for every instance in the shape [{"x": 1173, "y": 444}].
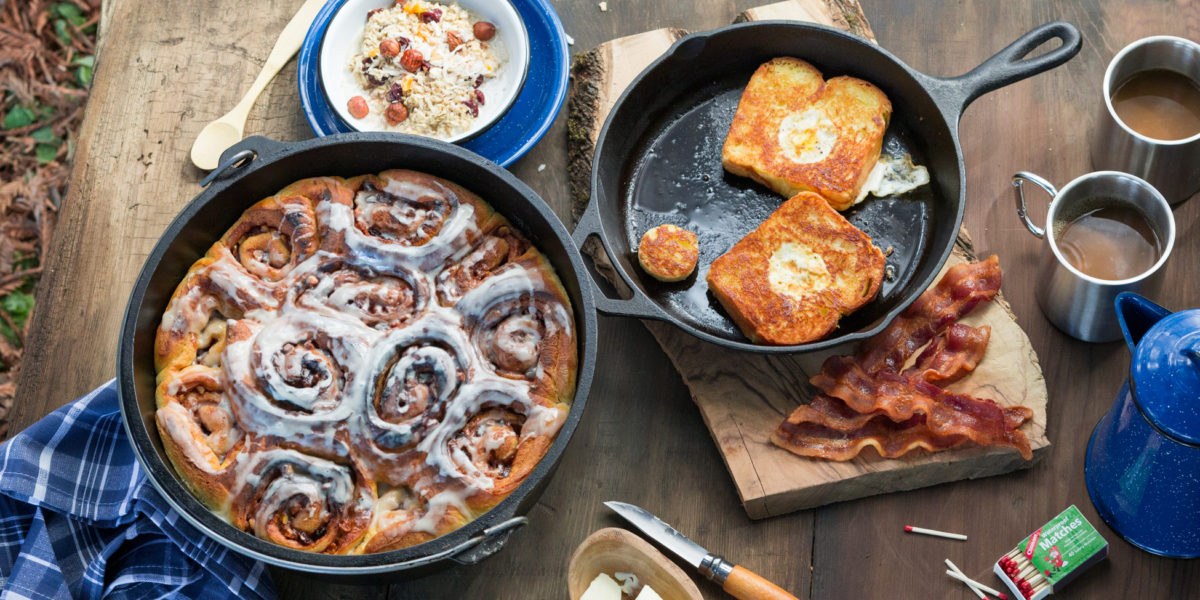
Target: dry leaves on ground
[{"x": 47, "y": 54}]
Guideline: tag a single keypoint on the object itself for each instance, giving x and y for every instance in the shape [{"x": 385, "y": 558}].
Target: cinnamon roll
[
  {"x": 302, "y": 501},
  {"x": 364, "y": 364}
]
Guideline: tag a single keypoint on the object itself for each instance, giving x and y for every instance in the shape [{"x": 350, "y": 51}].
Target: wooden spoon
[
  {"x": 614, "y": 550},
  {"x": 226, "y": 131}
]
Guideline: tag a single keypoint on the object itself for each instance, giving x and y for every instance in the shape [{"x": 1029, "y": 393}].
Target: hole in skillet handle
[
  {"x": 602, "y": 269},
  {"x": 1007, "y": 66},
  {"x": 241, "y": 154}
]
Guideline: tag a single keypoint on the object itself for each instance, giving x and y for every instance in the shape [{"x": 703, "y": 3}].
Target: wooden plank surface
[
  {"x": 743, "y": 396},
  {"x": 168, "y": 66}
]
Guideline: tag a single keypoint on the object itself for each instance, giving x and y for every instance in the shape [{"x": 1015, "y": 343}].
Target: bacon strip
[
  {"x": 952, "y": 355},
  {"x": 818, "y": 438},
  {"x": 959, "y": 291},
  {"x": 944, "y": 413},
  {"x": 889, "y": 438},
  {"x": 868, "y": 402}
]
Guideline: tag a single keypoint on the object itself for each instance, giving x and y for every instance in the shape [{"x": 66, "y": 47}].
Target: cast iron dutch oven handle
[
  {"x": 1005, "y": 67},
  {"x": 240, "y": 155}
]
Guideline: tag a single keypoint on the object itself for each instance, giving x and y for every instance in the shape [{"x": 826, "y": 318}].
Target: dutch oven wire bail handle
[{"x": 1008, "y": 66}]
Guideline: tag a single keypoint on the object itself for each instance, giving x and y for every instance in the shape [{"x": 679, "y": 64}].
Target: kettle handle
[{"x": 1136, "y": 316}]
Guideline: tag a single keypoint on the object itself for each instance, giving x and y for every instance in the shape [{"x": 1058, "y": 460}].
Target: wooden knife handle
[{"x": 744, "y": 584}]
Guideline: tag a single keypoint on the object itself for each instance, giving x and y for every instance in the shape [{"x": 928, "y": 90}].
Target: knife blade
[{"x": 737, "y": 581}]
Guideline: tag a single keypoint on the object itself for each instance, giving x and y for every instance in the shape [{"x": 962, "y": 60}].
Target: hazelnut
[
  {"x": 358, "y": 107},
  {"x": 412, "y": 60},
  {"x": 453, "y": 40},
  {"x": 396, "y": 113},
  {"x": 484, "y": 30},
  {"x": 389, "y": 47}
]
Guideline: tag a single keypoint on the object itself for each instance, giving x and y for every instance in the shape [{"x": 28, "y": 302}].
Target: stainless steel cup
[
  {"x": 1075, "y": 302},
  {"x": 1171, "y": 166}
]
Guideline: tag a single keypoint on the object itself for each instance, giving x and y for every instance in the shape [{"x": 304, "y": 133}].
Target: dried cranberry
[
  {"x": 404, "y": 42},
  {"x": 431, "y": 16},
  {"x": 426, "y": 65},
  {"x": 479, "y": 81},
  {"x": 371, "y": 13},
  {"x": 479, "y": 97},
  {"x": 375, "y": 81},
  {"x": 395, "y": 93},
  {"x": 472, "y": 106},
  {"x": 366, "y": 61}
]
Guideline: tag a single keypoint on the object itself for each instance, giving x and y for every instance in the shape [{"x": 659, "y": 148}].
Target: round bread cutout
[{"x": 668, "y": 253}]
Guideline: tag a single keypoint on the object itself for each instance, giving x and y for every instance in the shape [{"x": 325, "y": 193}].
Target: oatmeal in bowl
[{"x": 445, "y": 70}]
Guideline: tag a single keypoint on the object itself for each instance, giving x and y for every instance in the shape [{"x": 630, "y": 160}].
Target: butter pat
[
  {"x": 602, "y": 587},
  {"x": 648, "y": 593}
]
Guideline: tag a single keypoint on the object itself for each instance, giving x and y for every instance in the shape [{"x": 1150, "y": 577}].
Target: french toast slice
[
  {"x": 795, "y": 132},
  {"x": 790, "y": 280}
]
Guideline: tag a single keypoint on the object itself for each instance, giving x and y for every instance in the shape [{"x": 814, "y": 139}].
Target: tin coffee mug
[
  {"x": 1079, "y": 304},
  {"x": 1171, "y": 166}
]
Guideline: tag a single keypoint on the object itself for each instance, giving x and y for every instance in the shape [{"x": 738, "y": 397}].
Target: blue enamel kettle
[{"x": 1143, "y": 461}]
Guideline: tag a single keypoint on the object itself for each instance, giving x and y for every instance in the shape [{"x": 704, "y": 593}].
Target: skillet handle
[
  {"x": 637, "y": 305},
  {"x": 1008, "y": 66}
]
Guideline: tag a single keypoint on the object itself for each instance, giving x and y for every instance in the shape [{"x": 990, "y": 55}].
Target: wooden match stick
[
  {"x": 969, "y": 586},
  {"x": 959, "y": 575},
  {"x": 934, "y": 532},
  {"x": 973, "y": 583}
]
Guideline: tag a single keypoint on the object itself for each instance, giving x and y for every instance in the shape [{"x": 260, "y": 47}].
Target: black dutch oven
[
  {"x": 258, "y": 167},
  {"x": 658, "y": 160}
]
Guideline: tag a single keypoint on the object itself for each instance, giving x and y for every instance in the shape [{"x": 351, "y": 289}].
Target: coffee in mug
[
  {"x": 1106, "y": 232},
  {"x": 1159, "y": 104},
  {"x": 1150, "y": 120},
  {"x": 1108, "y": 240}
]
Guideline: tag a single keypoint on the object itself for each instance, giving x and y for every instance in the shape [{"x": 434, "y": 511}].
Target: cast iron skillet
[
  {"x": 658, "y": 160},
  {"x": 258, "y": 167}
]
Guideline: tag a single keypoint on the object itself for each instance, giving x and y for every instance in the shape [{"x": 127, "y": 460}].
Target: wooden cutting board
[{"x": 744, "y": 396}]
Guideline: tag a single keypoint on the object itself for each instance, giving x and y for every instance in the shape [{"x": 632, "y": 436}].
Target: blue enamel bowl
[{"x": 509, "y": 138}]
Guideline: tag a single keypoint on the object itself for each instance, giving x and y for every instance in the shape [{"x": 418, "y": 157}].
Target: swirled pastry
[{"x": 363, "y": 364}]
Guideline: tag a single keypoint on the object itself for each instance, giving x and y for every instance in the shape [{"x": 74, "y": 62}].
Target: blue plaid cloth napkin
[{"x": 79, "y": 520}]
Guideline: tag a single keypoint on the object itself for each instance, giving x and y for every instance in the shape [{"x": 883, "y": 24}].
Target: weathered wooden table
[{"x": 169, "y": 66}]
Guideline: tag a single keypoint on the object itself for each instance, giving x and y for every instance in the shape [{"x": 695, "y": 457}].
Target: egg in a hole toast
[
  {"x": 790, "y": 280},
  {"x": 795, "y": 132}
]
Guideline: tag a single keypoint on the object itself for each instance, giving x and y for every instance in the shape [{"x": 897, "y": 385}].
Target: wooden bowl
[{"x": 612, "y": 550}]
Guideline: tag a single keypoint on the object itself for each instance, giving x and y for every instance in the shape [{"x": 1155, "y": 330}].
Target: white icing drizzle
[
  {"x": 305, "y": 361},
  {"x": 178, "y": 423}
]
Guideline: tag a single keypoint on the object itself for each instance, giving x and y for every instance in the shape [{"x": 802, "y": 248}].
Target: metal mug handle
[{"x": 1022, "y": 209}]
